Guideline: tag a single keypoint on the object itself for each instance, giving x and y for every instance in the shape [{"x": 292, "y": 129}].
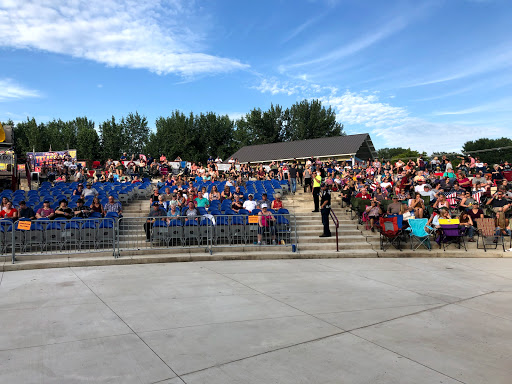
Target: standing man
[
  {"x": 317, "y": 181},
  {"x": 325, "y": 209},
  {"x": 293, "y": 177}
]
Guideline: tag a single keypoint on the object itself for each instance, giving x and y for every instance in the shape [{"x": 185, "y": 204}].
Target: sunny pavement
[{"x": 278, "y": 321}]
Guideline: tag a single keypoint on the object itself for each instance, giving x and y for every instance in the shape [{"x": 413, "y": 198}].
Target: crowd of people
[{"x": 467, "y": 188}]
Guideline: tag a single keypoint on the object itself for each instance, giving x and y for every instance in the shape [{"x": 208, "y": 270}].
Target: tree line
[{"x": 193, "y": 137}]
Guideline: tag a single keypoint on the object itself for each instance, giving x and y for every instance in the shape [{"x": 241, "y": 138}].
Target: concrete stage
[{"x": 371, "y": 321}]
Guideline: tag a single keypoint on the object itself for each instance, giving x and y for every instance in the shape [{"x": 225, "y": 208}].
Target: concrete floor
[{"x": 369, "y": 321}]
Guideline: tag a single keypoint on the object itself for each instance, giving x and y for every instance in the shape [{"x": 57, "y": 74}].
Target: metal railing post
[
  {"x": 336, "y": 225},
  {"x": 13, "y": 243}
]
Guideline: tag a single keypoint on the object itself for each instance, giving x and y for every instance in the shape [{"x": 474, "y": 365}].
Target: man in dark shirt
[
  {"x": 293, "y": 177},
  {"x": 155, "y": 211},
  {"x": 498, "y": 202},
  {"x": 63, "y": 210},
  {"x": 81, "y": 210},
  {"x": 325, "y": 209},
  {"x": 26, "y": 212}
]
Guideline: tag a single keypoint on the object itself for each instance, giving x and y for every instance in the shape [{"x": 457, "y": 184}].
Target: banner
[{"x": 38, "y": 158}]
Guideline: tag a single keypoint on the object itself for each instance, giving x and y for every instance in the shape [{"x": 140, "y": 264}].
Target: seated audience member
[
  {"x": 265, "y": 222},
  {"x": 113, "y": 207},
  {"x": 163, "y": 203},
  {"x": 191, "y": 212},
  {"x": 418, "y": 205},
  {"x": 463, "y": 181},
  {"x": 264, "y": 200},
  {"x": 434, "y": 219},
  {"x": 226, "y": 194},
  {"x": 238, "y": 192},
  {"x": 395, "y": 208},
  {"x": 214, "y": 194},
  {"x": 63, "y": 210},
  {"x": 89, "y": 191},
  {"x": 364, "y": 194},
  {"x": 45, "y": 211},
  {"x": 81, "y": 210},
  {"x": 79, "y": 190},
  {"x": 173, "y": 212},
  {"x": 205, "y": 193},
  {"x": 466, "y": 222},
  {"x": 26, "y": 212},
  {"x": 155, "y": 212},
  {"x": 201, "y": 201},
  {"x": 96, "y": 206},
  {"x": 428, "y": 192},
  {"x": 9, "y": 212},
  {"x": 378, "y": 195},
  {"x": 277, "y": 203},
  {"x": 374, "y": 211},
  {"x": 467, "y": 201},
  {"x": 502, "y": 225},
  {"x": 441, "y": 202},
  {"x": 237, "y": 204},
  {"x": 182, "y": 199},
  {"x": 498, "y": 202},
  {"x": 496, "y": 175},
  {"x": 154, "y": 196},
  {"x": 250, "y": 204},
  {"x": 478, "y": 179}
]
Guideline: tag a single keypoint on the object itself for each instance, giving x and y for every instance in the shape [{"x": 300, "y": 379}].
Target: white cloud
[
  {"x": 153, "y": 35},
  {"x": 10, "y": 90},
  {"x": 392, "y": 125}
]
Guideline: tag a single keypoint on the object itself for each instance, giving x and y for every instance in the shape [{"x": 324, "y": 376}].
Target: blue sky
[{"x": 425, "y": 74}]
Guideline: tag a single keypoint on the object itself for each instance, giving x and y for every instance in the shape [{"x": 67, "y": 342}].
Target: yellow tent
[{"x": 2, "y": 134}]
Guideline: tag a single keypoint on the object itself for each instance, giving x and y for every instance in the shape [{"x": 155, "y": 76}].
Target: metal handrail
[{"x": 336, "y": 225}]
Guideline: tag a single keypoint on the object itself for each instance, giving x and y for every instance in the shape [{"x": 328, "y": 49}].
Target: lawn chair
[
  {"x": 487, "y": 235},
  {"x": 451, "y": 234},
  {"x": 419, "y": 233},
  {"x": 390, "y": 233}
]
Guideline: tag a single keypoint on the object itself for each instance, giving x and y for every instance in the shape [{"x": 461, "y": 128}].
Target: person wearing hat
[
  {"x": 325, "y": 208},
  {"x": 89, "y": 191},
  {"x": 266, "y": 222},
  {"x": 250, "y": 204},
  {"x": 81, "y": 210},
  {"x": 63, "y": 210},
  {"x": 79, "y": 190},
  {"x": 26, "y": 212},
  {"x": 45, "y": 211},
  {"x": 155, "y": 212}
]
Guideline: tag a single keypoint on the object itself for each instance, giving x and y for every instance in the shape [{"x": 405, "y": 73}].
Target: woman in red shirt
[
  {"x": 9, "y": 212},
  {"x": 277, "y": 203}
]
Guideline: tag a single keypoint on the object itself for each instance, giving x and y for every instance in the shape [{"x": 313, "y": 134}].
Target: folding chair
[
  {"x": 160, "y": 232},
  {"x": 452, "y": 234},
  {"x": 418, "y": 234},
  {"x": 191, "y": 231},
  {"x": 487, "y": 235},
  {"x": 390, "y": 233},
  {"x": 175, "y": 232},
  {"x": 237, "y": 230}
]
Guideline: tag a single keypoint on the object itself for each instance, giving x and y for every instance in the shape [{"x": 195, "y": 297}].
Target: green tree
[
  {"x": 216, "y": 135},
  {"x": 28, "y": 137},
  {"x": 112, "y": 139},
  {"x": 394, "y": 154},
  {"x": 87, "y": 139},
  {"x": 136, "y": 130},
  {"x": 490, "y": 151},
  {"x": 310, "y": 120}
]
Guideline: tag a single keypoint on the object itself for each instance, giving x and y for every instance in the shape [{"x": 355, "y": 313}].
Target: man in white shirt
[
  {"x": 218, "y": 160},
  {"x": 250, "y": 204},
  {"x": 89, "y": 191}
]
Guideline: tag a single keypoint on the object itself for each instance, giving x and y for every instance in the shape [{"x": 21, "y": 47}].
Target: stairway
[{"x": 352, "y": 240}]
